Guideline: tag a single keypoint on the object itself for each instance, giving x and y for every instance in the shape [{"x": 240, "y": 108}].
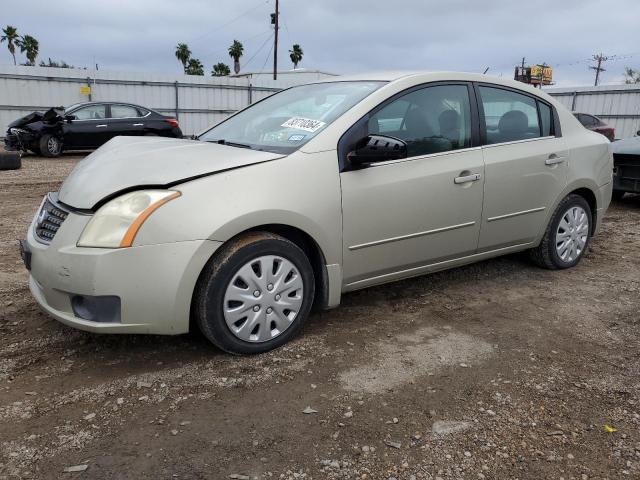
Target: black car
[{"x": 85, "y": 126}]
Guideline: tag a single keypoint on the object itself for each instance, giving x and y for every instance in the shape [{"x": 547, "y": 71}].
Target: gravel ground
[{"x": 493, "y": 371}]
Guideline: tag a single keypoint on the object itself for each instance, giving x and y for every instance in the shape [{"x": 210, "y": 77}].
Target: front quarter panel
[{"x": 301, "y": 191}]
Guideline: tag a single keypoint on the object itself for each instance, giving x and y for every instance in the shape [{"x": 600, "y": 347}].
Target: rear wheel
[
  {"x": 255, "y": 294},
  {"x": 566, "y": 239},
  {"x": 50, "y": 145}
]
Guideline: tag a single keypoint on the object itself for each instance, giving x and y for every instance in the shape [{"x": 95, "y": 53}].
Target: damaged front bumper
[{"x": 18, "y": 139}]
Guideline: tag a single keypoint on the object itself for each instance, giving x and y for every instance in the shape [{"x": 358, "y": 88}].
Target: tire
[
  {"x": 10, "y": 161},
  {"x": 547, "y": 254},
  {"x": 617, "y": 195},
  {"x": 50, "y": 145},
  {"x": 239, "y": 266}
]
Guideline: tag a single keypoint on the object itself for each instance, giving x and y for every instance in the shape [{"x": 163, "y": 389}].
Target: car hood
[
  {"x": 628, "y": 146},
  {"x": 127, "y": 163},
  {"x": 52, "y": 115}
]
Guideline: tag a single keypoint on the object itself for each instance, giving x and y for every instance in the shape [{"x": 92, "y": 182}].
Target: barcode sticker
[{"x": 305, "y": 124}]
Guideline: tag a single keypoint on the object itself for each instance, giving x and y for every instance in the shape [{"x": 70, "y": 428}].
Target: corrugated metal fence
[
  {"x": 618, "y": 105},
  {"x": 198, "y": 102}
]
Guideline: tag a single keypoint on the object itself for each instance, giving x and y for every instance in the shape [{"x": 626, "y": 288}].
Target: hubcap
[
  {"x": 263, "y": 298},
  {"x": 53, "y": 145},
  {"x": 572, "y": 234}
]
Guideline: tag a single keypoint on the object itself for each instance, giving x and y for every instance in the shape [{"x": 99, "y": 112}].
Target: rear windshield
[{"x": 285, "y": 121}]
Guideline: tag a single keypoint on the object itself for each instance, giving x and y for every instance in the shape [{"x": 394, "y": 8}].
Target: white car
[{"x": 315, "y": 191}]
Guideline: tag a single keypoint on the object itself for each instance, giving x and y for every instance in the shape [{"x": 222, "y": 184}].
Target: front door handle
[
  {"x": 138, "y": 124},
  {"x": 553, "y": 159},
  {"x": 474, "y": 177},
  {"x": 101, "y": 126}
]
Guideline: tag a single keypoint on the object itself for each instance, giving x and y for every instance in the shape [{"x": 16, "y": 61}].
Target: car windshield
[
  {"x": 68, "y": 109},
  {"x": 285, "y": 121}
]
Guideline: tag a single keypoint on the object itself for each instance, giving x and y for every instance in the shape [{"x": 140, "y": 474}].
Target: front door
[
  {"x": 401, "y": 215},
  {"x": 525, "y": 167},
  {"x": 89, "y": 129}
]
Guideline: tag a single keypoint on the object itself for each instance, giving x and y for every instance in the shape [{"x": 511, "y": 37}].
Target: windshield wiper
[{"x": 231, "y": 144}]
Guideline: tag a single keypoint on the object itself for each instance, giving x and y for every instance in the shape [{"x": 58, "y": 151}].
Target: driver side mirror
[
  {"x": 377, "y": 148},
  {"x": 69, "y": 118}
]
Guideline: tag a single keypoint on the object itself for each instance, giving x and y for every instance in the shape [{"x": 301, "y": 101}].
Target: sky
[{"x": 338, "y": 36}]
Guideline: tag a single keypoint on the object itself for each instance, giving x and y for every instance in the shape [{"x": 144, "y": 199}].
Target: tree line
[
  {"x": 29, "y": 46},
  {"x": 193, "y": 66}
]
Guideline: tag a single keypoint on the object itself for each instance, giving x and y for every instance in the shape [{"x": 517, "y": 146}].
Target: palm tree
[
  {"x": 220, "y": 70},
  {"x": 296, "y": 55},
  {"x": 183, "y": 54},
  {"x": 631, "y": 76},
  {"x": 10, "y": 36},
  {"x": 235, "y": 51},
  {"x": 30, "y": 45},
  {"x": 194, "y": 67}
]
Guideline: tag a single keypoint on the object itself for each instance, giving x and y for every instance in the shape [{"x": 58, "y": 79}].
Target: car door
[
  {"x": 401, "y": 215},
  {"x": 89, "y": 129},
  {"x": 525, "y": 160},
  {"x": 126, "y": 120}
]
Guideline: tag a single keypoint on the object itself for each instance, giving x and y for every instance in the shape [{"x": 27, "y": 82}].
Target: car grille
[{"x": 50, "y": 218}]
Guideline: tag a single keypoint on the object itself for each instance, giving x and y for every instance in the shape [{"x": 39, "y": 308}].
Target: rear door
[
  {"x": 525, "y": 160},
  {"x": 126, "y": 120}
]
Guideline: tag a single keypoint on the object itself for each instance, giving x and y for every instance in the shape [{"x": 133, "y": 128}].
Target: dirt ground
[{"x": 493, "y": 371}]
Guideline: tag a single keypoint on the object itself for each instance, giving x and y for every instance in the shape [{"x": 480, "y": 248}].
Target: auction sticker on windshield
[{"x": 305, "y": 124}]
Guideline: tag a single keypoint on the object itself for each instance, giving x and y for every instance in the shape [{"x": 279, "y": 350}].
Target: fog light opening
[{"x": 103, "y": 309}]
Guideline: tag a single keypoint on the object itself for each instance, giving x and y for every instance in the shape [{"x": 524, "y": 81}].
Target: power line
[
  {"x": 234, "y": 19},
  {"x": 259, "y": 50},
  {"x": 224, "y": 49},
  {"x": 266, "y": 59}
]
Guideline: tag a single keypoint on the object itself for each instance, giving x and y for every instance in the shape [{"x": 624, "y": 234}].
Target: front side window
[
  {"x": 91, "y": 112},
  {"x": 509, "y": 116},
  {"x": 124, "y": 111},
  {"x": 285, "y": 121},
  {"x": 430, "y": 120}
]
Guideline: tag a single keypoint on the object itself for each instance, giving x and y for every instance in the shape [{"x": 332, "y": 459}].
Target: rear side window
[
  {"x": 124, "y": 111},
  {"x": 545, "y": 119},
  {"x": 509, "y": 116}
]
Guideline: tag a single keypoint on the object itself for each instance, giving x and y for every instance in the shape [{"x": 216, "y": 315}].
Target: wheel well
[
  {"x": 313, "y": 252},
  {"x": 590, "y": 197}
]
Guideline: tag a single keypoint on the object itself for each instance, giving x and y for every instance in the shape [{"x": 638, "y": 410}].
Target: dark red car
[{"x": 594, "y": 123}]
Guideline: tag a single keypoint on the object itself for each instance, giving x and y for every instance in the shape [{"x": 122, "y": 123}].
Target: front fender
[{"x": 301, "y": 191}]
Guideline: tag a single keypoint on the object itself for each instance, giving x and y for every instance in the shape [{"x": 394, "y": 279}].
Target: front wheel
[
  {"x": 566, "y": 238},
  {"x": 50, "y": 145},
  {"x": 255, "y": 294}
]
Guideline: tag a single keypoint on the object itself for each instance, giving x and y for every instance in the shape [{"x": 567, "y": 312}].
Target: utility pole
[
  {"x": 275, "y": 43},
  {"x": 600, "y": 58}
]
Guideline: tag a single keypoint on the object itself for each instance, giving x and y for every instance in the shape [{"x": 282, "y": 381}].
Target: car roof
[
  {"x": 84, "y": 104},
  {"x": 433, "y": 76}
]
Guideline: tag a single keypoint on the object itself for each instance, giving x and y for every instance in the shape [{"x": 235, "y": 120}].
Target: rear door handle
[
  {"x": 101, "y": 126},
  {"x": 474, "y": 177},
  {"x": 138, "y": 124},
  {"x": 553, "y": 159}
]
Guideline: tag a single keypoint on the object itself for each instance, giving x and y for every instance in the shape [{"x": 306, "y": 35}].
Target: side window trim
[
  {"x": 556, "y": 130},
  {"x": 345, "y": 140}
]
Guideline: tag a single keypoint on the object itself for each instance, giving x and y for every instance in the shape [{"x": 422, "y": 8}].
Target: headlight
[{"x": 117, "y": 222}]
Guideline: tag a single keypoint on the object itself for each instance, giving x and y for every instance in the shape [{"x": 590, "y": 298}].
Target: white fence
[
  {"x": 196, "y": 101},
  {"x": 618, "y": 105}
]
